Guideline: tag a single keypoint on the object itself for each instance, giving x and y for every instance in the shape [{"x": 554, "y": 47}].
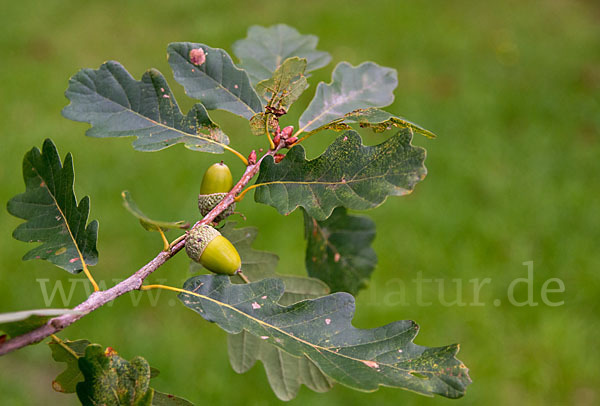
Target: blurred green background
[{"x": 511, "y": 88}]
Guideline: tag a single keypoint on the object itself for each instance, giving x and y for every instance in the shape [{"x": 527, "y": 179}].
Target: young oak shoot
[{"x": 348, "y": 175}]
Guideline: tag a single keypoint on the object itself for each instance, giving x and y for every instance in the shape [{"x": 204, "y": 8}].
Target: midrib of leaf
[
  {"x": 351, "y": 181},
  {"x": 278, "y": 57},
  {"x": 261, "y": 63},
  {"x": 83, "y": 264},
  {"x": 300, "y": 182},
  {"x": 234, "y": 96},
  {"x": 325, "y": 111},
  {"x": 282, "y": 369},
  {"x": 64, "y": 346},
  {"x": 293, "y": 337},
  {"x": 325, "y": 237},
  {"x": 164, "y": 126}
]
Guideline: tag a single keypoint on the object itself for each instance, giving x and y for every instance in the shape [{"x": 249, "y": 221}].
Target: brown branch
[{"x": 134, "y": 282}]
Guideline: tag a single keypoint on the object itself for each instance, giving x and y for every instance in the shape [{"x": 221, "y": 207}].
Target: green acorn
[
  {"x": 208, "y": 247},
  {"x": 216, "y": 183}
]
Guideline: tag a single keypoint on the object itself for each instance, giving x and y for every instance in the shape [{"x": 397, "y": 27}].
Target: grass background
[{"x": 510, "y": 87}]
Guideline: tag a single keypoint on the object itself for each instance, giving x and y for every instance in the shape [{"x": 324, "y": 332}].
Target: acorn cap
[
  {"x": 208, "y": 202},
  {"x": 197, "y": 239}
]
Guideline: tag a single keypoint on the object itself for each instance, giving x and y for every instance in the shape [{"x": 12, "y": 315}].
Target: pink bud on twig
[
  {"x": 252, "y": 158},
  {"x": 287, "y": 131}
]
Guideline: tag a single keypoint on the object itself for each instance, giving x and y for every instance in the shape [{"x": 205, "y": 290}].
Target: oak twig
[{"x": 99, "y": 298}]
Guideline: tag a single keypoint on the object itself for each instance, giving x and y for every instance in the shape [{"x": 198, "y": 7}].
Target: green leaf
[
  {"x": 164, "y": 399},
  {"x": 338, "y": 250},
  {"x": 298, "y": 288},
  {"x": 379, "y": 121},
  {"x": 147, "y": 223},
  {"x": 351, "y": 88},
  {"x": 285, "y": 372},
  {"x": 117, "y": 105},
  {"x": 258, "y": 123},
  {"x": 321, "y": 330},
  {"x": 209, "y": 75},
  {"x": 347, "y": 174},
  {"x": 112, "y": 380},
  {"x": 286, "y": 85},
  {"x": 375, "y": 119},
  {"x": 53, "y": 216},
  {"x": 264, "y": 49},
  {"x": 18, "y": 323},
  {"x": 68, "y": 352}
]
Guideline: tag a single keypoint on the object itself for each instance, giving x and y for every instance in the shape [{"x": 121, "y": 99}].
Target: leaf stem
[
  {"x": 242, "y": 276},
  {"x": 165, "y": 287},
  {"x": 166, "y": 244},
  {"x": 243, "y": 193},
  {"x": 177, "y": 240},
  {"x": 271, "y": 143},
  {"x": 243, "y": 158},
  {"x": 87, "y": 273}
]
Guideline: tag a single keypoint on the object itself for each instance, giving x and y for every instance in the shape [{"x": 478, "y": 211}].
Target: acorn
[
  {"x": 216, "y": 183},
  {"x": 208, "y": 247}
]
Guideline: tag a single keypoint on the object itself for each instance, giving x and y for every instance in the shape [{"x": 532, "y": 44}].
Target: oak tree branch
[{"x": 134, "y": 282}]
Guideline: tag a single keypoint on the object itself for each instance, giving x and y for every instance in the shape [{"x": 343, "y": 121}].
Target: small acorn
[
  {"x": 216, "y": 183},
  {"x": 208, "y": 247}
]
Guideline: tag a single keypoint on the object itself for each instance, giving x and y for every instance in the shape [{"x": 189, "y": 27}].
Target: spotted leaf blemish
[
  {"x": 371, "y": 364},
  {"x": 197, "y": 56}
]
